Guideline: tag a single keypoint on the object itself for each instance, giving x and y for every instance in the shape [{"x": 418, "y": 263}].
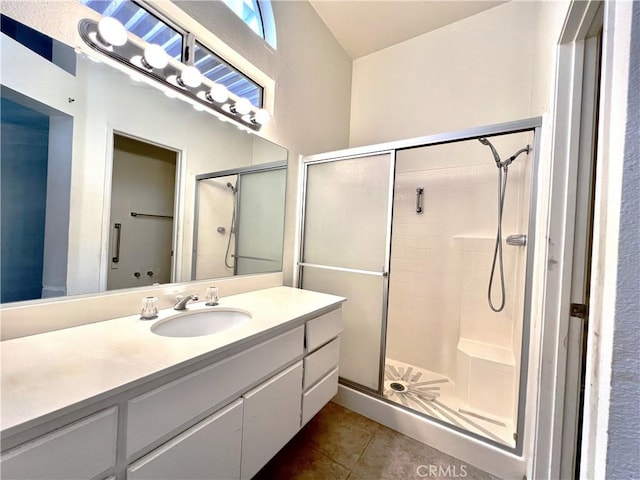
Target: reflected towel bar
[
  {"x": 118, "y": 228},
  {"x": 136, "y": 214}
]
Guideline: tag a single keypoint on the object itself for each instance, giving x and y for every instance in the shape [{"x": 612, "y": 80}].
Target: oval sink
[{"x": 203, "y": 322}]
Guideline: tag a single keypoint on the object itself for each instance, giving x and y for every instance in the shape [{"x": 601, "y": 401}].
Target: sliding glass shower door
[
  {"x": 432, "y": 244},
  {"x": 345, "y": 251}
]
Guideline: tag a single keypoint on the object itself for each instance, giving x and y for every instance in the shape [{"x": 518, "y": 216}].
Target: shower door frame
[
  {"x": 387, "y": 254},
  {"x": 264, "y": 167},
  {"x": 533, "y": 125}
]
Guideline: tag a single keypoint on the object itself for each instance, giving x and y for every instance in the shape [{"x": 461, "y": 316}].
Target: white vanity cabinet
[
  {"x": 81, "y": 450},
  {"x": 209, "y": 449},
  {"x": 225, "y": 415},
  {"x": 160, "y": 411}
]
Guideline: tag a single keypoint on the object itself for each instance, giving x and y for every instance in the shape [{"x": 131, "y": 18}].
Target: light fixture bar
[{"x": 150, "y": 60}]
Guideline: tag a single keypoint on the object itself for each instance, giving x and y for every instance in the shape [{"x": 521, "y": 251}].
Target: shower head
[
  {"x": 496, "y": 157},
  {"x": 232, "y": 187}
]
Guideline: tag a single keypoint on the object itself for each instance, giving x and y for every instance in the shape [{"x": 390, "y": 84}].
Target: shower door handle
[
  {"x": 419, "y": 193},
  {"x": 118, "y": 227}
]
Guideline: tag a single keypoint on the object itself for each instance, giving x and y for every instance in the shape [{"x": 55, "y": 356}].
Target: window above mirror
[
  {"x": 143, "y": 24},
  {"x": 150, "y": 26}
]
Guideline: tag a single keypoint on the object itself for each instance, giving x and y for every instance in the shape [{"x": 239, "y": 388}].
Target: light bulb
[
  {"x": 190, "y": 77},
  {"x": 262, "y": 116},
  {"x": 112, "y": 32},
  {"x": 155, "y": 56},
  {"x": 219, "y": 93},
  {"x": 242, "y": 106}
]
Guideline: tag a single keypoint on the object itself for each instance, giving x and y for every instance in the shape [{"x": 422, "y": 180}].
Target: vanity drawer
[
  {"x": 80, "y": 450},
  {"x": 209, "y": 449},
  {"x": 319, "y": 395},
  {"x": 322, "y": 329},
  {"x": 318, "y": 363},
  {"x": 158, "y": 412}
]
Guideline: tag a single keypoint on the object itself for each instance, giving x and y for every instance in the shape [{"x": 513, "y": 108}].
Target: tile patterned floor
[{"x": 338, "y": 444}]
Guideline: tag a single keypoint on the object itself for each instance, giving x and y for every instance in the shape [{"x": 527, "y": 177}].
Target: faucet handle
[
  {"x": 212, "y": 296},
  {"x": 179, "y": 298}
]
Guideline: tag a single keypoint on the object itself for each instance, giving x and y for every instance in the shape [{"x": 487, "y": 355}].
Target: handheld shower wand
[{"x": 503, "y": 168}]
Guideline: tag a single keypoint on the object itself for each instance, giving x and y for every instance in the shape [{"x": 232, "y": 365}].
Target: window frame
[
  {"x": 189, "y": 40},
  {"x": 266, "y": 21},
  {"x": 204, "y": 46}
]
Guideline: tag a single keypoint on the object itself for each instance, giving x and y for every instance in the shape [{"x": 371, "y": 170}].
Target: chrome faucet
[{"x": 181, "y": 303}]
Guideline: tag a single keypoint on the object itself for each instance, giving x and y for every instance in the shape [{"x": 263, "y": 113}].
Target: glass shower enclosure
[{"x": 430, "y": 240}]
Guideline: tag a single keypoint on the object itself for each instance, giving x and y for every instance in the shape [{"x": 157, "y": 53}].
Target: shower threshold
[{"x": 433, "y": 394}]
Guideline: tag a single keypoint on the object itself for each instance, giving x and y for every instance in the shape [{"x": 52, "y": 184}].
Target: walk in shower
[{"x": 430, "y": 241}]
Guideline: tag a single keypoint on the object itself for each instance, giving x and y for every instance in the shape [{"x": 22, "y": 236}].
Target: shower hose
[
  {"x": 503, "y": 171},
  {"x": 232, "y": 232}
]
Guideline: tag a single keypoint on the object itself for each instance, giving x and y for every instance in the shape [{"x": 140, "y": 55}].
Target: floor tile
[
  {"x": 297, "y": 461},
  {"x": 391, "y": 455},
  {"x": 338, "y": 444},
  {"x": 339, "y": 433}
]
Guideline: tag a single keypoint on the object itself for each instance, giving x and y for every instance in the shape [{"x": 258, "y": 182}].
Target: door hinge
[{"x": 578, "y": 310}]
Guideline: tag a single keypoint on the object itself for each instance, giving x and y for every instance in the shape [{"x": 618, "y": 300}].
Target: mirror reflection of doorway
[
  {"x": 142, "y": 214},
  {"x": 35, "y": 178}
]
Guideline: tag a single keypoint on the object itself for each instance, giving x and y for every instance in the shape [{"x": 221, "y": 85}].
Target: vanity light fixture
[{"x": 176, "y": 79}]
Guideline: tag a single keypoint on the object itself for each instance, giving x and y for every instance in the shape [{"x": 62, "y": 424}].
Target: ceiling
[{"x": 366, "y": 26}]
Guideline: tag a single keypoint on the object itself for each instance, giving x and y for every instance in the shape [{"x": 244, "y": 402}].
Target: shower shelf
[{"x": 487, "y": 351}]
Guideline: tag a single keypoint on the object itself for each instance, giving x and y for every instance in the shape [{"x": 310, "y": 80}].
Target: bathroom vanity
[{"x": 113, "y": 400}]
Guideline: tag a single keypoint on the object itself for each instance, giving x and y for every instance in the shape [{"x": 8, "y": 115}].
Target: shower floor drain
[{"x": 398, "y": 387}]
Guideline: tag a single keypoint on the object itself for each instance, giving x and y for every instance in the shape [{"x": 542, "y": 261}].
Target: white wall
[
  {"x": 489, "y": 68},
  {"x": 624, "y": 422},
  {"x": 56, "y": 243}
]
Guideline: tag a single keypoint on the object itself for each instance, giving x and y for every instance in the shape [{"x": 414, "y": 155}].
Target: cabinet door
[
  {"x": 271, "y": 418},
  {"x": 81, "y": 450},
  {"x": 208, "y": 450}
]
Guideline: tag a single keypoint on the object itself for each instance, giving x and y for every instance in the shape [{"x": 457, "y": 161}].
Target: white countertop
[{"x": 50, "y": 372}]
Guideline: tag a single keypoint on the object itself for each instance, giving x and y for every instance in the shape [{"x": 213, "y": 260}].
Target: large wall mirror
[{"x": 107, "y": 182}]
